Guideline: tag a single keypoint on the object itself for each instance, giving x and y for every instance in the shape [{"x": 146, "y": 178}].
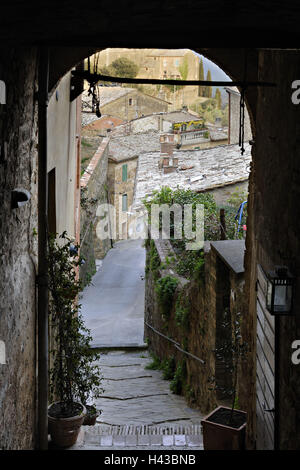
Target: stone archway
[
  {"x": 232, "y": 62},
  {"x": 272, "y": 227}
]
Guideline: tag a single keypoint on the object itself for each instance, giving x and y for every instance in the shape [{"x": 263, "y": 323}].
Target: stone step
[
  {"x": 178, "y": 436},
  {"x": 119, "y": 346}
]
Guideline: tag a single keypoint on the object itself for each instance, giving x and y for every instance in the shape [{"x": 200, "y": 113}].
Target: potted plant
[
  {"x": 70, "y": 358},
  {"x": 225, "y": 427},
  {"x": 88, "y": 384}
]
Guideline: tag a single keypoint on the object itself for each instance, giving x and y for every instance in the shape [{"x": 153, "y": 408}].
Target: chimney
[{"x": 168, "y": 163}]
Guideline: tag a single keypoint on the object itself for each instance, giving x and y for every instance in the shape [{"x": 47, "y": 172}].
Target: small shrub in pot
[{"x": 70, "y": 358}]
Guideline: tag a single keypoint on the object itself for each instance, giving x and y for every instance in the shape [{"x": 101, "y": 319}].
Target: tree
[
  {"x": 124, "y": 67},
  {"x": 208, "y": 89},
  {"x": 201, "y": 77},
  {"x": 104, "y": 70},
  {"x": 184, "y": 69},
  {"x": 218, "y": 98}
]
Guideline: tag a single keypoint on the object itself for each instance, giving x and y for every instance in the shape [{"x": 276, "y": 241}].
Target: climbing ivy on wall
[
  {"x": 165, "y": 289},
  {"x": 182, "y": 311},
  {"x": 177, "y": 384}
]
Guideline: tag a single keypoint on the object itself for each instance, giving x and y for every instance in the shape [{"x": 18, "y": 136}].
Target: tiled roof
[
  {"x": 179, "y": 116},
  {"x": 128, "y": 146},
  {"x": 104, "y": 122},
  {"x": 205, "y": 169}
]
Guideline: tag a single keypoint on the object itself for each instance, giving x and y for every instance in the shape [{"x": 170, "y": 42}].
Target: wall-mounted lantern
[{"x": 280, "y": 290}]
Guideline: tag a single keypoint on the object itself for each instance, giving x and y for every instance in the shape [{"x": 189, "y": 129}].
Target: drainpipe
[{"x": 42, "y": 280}]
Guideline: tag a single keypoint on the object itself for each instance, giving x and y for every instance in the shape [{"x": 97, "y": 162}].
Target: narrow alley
[
  {"x": 138, "y": 409},
  {"x": 113, "y": 304}
]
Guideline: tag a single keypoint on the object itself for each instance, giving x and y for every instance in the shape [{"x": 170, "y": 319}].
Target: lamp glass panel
[{"x": 282, "y": 298}]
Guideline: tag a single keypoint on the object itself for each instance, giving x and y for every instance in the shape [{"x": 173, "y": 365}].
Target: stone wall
[
  {"x": 95, "y": 181},
  {"x": 198, "y": 339},
  {"x": 18, "y": 253},
  {"x": 222, "y": 194},
  {"x": 273, "y": 231},
  {"x": 200, "y": 334}
]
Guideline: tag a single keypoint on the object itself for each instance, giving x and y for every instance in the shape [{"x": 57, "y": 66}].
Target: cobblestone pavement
[{"x": 138, "y": 409}]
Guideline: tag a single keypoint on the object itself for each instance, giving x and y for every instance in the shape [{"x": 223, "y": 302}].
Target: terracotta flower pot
[
  {"x": 217, "y": 435},
  {"x": 64, "y": 430}
]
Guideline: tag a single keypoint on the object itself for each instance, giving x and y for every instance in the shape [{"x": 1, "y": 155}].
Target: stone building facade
[
  {"x": 187, "y": 129},
  {"x": 161, "y": 64},
  {"x": 126, "y": 103},
  {"x": 124, "y": 154},
  {"x": 121, "y": 183}
]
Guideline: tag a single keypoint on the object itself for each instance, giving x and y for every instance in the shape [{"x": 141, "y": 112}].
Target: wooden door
[{"x": 265, "y": 369}]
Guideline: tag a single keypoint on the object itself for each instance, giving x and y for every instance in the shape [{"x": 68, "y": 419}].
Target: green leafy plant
[
  {"x": 165, "y": 288},
  {"x": 191, "y": 264},
  {"x": 168, "y": 367},
  {"x": 154, "y": 261},
  {"x": 123, "y": 67},
  {"x": 155, "y": 364},
  {"x": 236, "y": 198},
  {"x": 182, "y": 311},
  {"x": 178, "y": 381},
  {"x": 73, "y": 373}
]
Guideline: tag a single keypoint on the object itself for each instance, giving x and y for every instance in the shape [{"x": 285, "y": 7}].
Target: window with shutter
[{"x": 124, "y": 172}]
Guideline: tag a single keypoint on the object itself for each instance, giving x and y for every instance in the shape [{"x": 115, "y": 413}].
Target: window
[
  {"x": 124, "y": 172},
  {"x": 130, "y": 101},
  {"x": 124, "y": 203}
]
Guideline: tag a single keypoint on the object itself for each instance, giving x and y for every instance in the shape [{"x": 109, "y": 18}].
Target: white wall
[{"x": 62, "y": 154}]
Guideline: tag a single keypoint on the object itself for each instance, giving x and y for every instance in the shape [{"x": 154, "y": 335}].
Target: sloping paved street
[{"x": 113, "y": 305}]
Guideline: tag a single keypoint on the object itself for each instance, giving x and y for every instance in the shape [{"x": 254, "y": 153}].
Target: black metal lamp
[{"x": 280, "y": 290}]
